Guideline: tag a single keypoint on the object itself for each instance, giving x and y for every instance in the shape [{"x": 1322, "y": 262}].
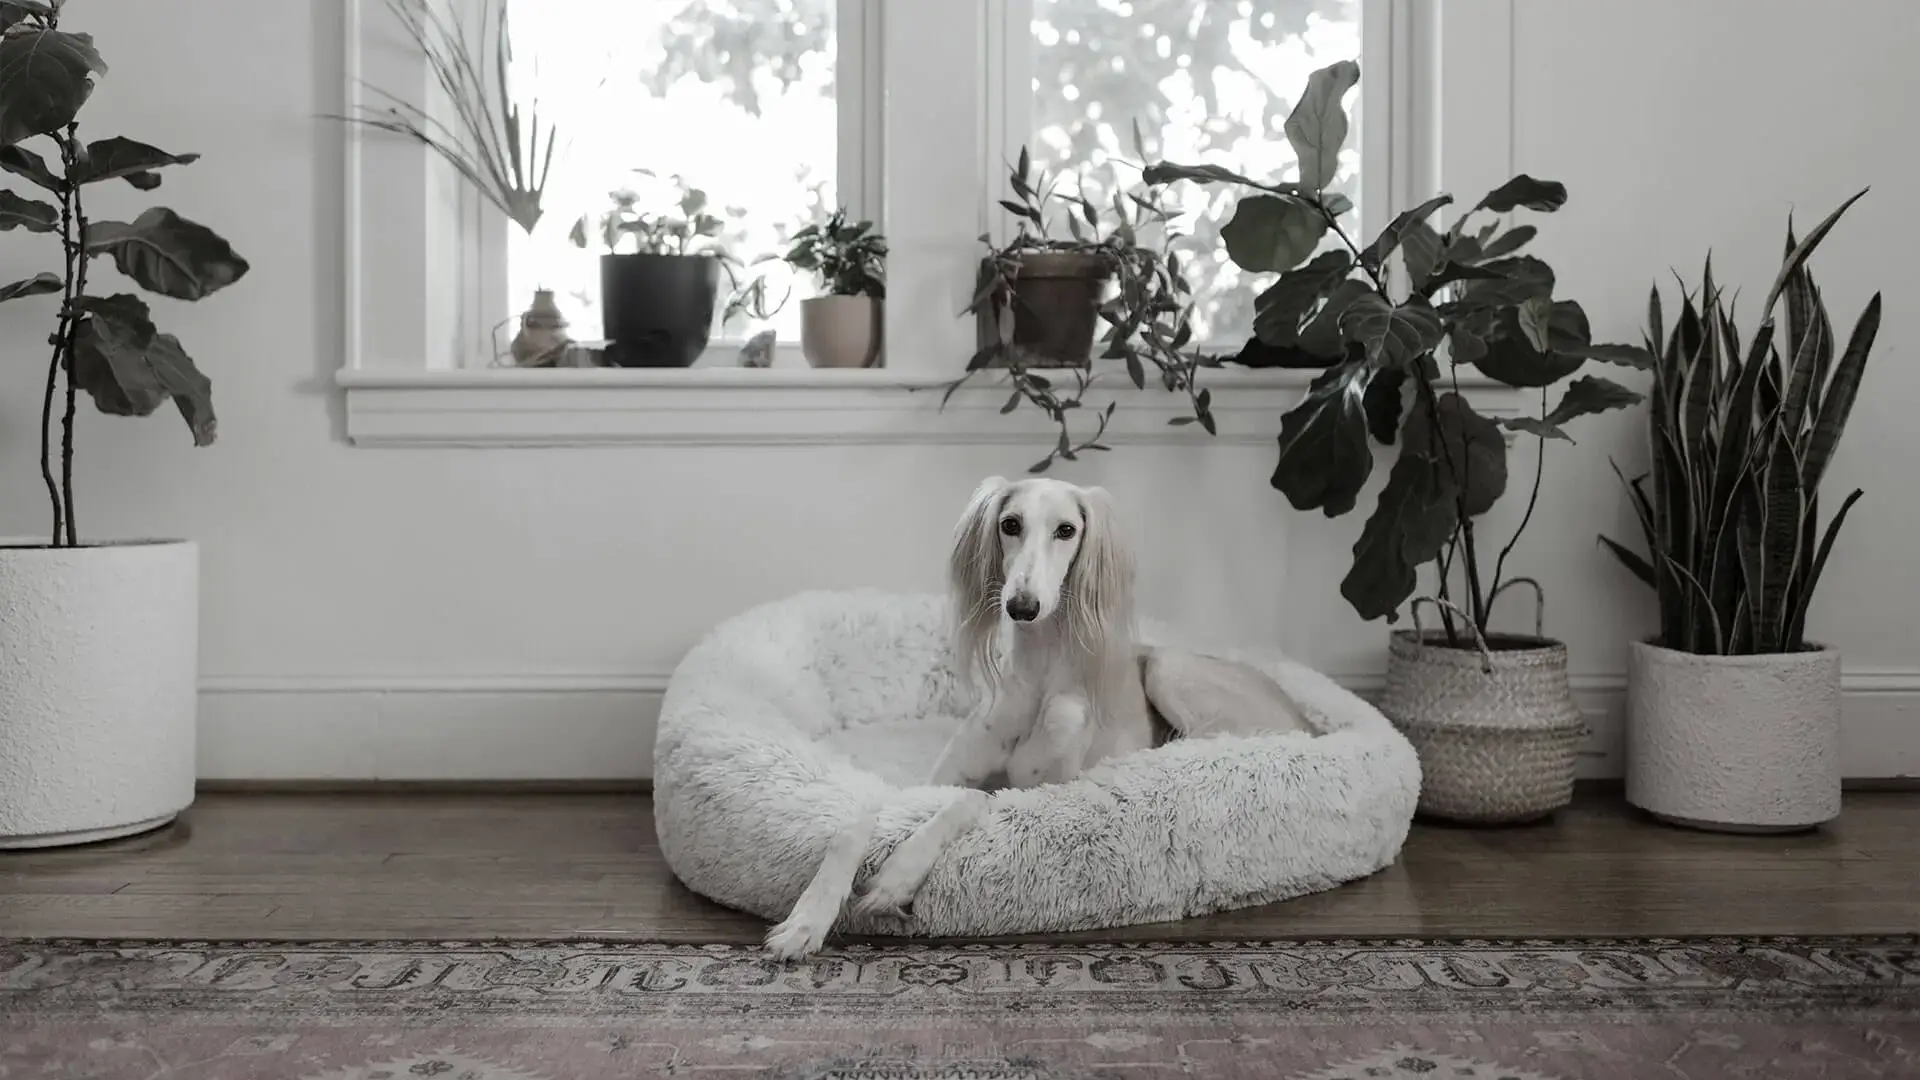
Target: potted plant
[
  {"x": 1041, "y": 299},
  {"x": 659, "y": 278},
  {"x": 841, "y": 328},
  {"x": 1392, "y": 324},
  {"x": 99, "y": 641},
  {"x": 1733, "y": 716}
]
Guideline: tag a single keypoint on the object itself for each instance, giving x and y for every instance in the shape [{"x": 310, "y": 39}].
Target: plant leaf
[
  {"x": 1798, "y": 256},
  {"x": 1278, "y": 311},
  {"x": 118, "y": 158},
  {"x": 1272, "y": 232},
  {"x": 1632, "y": 356},
  {"x": 1836, "y": 402},
  {"x": 1422, "y": 250},
  {"x": 38, "y": 285},
  {"x": 1797, "y": 624},
  {"x": 1396, "y": 231},
  {"x": 45, "y": 76},
  {"x": 1518, "y": 279},
  {"x": 1512, "y": 360},
  {"x": 168, "y": 254},
  {"x": 1383, "y": 405},
  {"x": 13, "y": 11},
  {"x": 191, "y": 391},
  {"x": 1466, "y": 445},
  {"x": 1392, "y": 336},
  {"x": 1509, "y": 242},
  {"x": 1412, "y": 519},
  {"x": 23, "y": 162},
  {"x": 1324, "y": 455},
  {"x": 1523, "y": 190},
  {"x": 1589, "y": 395},
  {"x": 29, "y": 214},
  {"x": 1641, "y": 568},
  {"x": 1166, "y": 172},
  {"x": 1317, "y": 127},
  {"x": 1537, "y": 426}
]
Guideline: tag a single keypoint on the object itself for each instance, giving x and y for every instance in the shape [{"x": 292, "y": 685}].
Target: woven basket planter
[{"x": 1495, "y": 724}]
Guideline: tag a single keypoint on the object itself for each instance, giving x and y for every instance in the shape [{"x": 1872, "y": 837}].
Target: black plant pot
[{"x": 658, "y": 309}]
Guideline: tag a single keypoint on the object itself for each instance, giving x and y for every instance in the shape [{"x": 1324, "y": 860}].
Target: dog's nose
[{"x": 1023, "y": 608}]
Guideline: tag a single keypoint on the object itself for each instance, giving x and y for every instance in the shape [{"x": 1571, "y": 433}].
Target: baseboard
[{"x": 574, "y": 729}]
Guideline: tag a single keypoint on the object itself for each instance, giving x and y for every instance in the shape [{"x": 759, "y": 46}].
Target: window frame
[{"x": 1437, "y": 106}]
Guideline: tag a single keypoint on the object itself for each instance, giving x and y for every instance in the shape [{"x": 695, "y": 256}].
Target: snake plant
[{"x": 1741, "y": 439}]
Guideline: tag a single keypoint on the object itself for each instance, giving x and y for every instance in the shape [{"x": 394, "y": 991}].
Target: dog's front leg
[
  {"x": 980, "y": 747},
  {"x": 1055, "y": 750}
]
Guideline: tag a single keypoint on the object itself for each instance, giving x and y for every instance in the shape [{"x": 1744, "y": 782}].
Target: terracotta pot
[
  {"x": 1734, "y": 743},
  {"x": 840, "y": 331},
  {"x": 1056, "y": 308}
]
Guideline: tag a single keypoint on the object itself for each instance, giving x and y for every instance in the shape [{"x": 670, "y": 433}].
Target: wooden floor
[{"x": 552, "y": 866}]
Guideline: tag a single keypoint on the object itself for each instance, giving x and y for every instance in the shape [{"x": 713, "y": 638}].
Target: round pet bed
[{"x": 787, "y": 720}]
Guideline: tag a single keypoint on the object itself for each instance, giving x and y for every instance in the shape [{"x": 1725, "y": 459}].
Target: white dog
[{"x": 1041, "y": 583}]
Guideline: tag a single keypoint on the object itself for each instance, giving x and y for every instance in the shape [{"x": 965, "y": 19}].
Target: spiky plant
[
  {"x": 1741, "y": 441},
  {"x": 505, "y": 155}
]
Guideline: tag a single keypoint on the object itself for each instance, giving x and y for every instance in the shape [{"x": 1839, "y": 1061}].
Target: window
[
  {"x": 774, "y": 108},
  {"x": 731, "y": 99},
  {"x": 1207, "y": 81}
]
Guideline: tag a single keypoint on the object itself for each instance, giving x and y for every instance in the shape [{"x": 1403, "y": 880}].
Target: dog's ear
[
  {"x": 974, "y": 573},
  {"x": 1100, "y": 581}
]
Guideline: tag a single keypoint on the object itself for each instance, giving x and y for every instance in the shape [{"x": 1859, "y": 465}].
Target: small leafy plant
[
  {"x": 1148, "y": 314},
  {"x": 1391, "y": 348},
  {"x": 849, "y": 258},
  {"x": 1741, "y": 439},
  {"x": 625, "y": 228},
  {"x": 107, "y": 345}
]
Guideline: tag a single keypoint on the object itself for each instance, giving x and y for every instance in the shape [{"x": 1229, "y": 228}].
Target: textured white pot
[
  {"x": 99, "y": 672},
  {"x": 1734, "y": 743},
  {"x": 840, "y": 331}
]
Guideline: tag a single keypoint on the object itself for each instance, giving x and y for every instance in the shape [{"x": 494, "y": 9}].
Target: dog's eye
[
  {"x": 1064, "y": 532},
  {"x": 1010, "y": 526}
]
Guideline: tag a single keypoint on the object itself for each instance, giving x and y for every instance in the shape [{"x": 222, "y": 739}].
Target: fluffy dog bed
[{"x": 789, "y": 719}]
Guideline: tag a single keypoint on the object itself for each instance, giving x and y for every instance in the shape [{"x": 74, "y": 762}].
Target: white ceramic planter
[
  {"x": 840, "y": 331},
  {"x": 1734, "y": 743},
  {"x": 99, "y": 672}
]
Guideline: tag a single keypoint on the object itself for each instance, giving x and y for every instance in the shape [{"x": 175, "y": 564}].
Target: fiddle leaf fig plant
[
  {"x": 1390, "y": 325},
  {"x": 108, "y": 346}
]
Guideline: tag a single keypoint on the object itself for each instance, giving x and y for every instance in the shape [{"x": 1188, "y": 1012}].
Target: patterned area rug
[{"x": 1322, "y": 1010}]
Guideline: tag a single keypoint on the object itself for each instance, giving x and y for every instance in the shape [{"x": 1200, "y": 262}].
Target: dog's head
[{"x": 1040, "y": 549}]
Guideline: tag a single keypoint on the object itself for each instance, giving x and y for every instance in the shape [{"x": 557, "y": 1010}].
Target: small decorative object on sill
[
  {"x": 758, "y": 351},
  {"x": 659, "y": 278},
  {"x": 1733, "y": 716},
  {"x": 542, "y": 340},
  {"x": 1040, "y": 300},
  {"x": 1496, "y": 727}
]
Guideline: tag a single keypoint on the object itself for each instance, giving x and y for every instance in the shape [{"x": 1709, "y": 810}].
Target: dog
[{"x": 1040, "y": 581}]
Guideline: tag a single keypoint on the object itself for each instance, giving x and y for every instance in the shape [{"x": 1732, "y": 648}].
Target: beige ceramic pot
[{"x": 840, "y": 331}]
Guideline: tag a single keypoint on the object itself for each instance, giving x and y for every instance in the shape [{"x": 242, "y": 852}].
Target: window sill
[{"x": 727, "y": 406}]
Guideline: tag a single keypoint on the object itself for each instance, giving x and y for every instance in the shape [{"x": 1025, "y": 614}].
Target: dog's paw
[
  {"x": 796, "y": 938},
  {"x": 883, "y": 904}
]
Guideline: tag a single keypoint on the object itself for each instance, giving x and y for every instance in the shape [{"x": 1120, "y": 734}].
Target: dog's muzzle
[{"x": 1023, "y": 608}]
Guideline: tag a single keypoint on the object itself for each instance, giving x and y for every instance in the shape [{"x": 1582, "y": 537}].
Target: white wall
[{"x": 512, "y": 613}]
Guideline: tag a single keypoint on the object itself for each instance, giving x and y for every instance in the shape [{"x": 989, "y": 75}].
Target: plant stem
[
  {"x": 77, "y": 272},
  {"x": 1539, "y": 469},
  {"x": 62, "y": 342}
]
